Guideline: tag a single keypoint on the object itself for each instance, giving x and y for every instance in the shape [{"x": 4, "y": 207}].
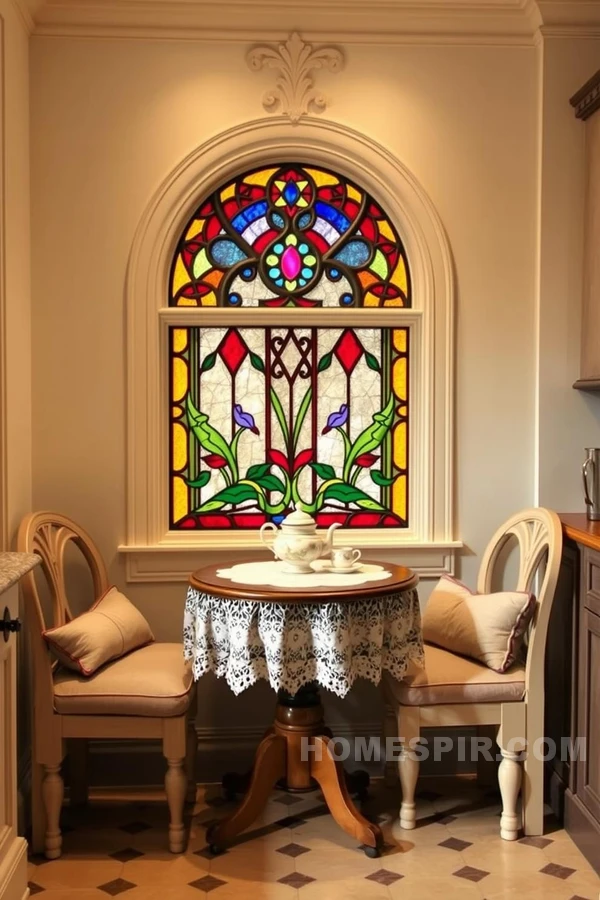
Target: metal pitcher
[{"x": 591, "y": 482}]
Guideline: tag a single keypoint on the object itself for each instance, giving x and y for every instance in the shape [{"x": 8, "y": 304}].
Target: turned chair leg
[
  {"x": 512, "y": 743},
  {"x": 52, "y": 795},
  {"x": 509, "y": 779},
  {"x": 408, "y": 764},
  {"x": 176, "y": 787}
]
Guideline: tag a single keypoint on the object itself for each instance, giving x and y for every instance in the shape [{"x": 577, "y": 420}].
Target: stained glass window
[
  {"x": 263, "y": 416},
  {"x": 290, "y": 236}
]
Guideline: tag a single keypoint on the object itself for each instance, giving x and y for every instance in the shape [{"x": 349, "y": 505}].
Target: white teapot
[{"x": 297, "y": 544}]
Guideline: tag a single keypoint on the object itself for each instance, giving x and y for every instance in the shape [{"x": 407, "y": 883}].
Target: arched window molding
[{"x": 154, "y": 553}]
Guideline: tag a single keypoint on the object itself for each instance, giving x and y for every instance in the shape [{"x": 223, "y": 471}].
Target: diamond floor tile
[
  {"x": 557, "y": 871},
  {"x": 296, "y": 880},
  {"x": 471, "y": 874},
  {"x": 384, "y": 876},
  {"x": 293, "y": 850},
  {"x": 207, "y": 884},
  {"x": 116, "y": 887}
]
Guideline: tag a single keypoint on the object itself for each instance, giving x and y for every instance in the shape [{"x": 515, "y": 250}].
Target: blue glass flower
[
  {"x": 244, "y": 419},
  {"x": 337, "y": 419}
]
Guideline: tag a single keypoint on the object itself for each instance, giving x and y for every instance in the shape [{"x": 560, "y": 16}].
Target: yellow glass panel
[
  {"x": 180, "y": 339},
  {"x": 402, "y": 410},
  {"x": 400, "y": 339},
  {"x": 353, "y": 194},
  {"x": 209, "y": 299},
  {"x": 399, "y": 378},
  {"x": 399, "y": 276},
  {"x": 386, "y": 230},
  {"x": 399, "y": 496},
  {"x": 180, "y": 498},
  {"x": 228, "y": 192},
  {"x": 400, "y": 445},
  {"x": 180, "y": 276},
  {"x": 321, "y": 178},
  {"x": 194, "y": 229},
  {"x": 187, "y": 301},
  {"x": 371, "y": 300},
  {"x": 177, "y": 412},
  {"x": 179, "y": 446},
  {"x": 395, "y": 301},
  {"x": 180, "y": 378},
  {"x": 260, "y": 177}
]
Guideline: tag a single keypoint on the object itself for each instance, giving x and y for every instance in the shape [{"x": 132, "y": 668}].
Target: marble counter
[{"x": 13, "y": 566}]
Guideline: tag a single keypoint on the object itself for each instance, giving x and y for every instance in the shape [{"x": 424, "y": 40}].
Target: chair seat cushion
[
  {"x": 448, "y": 678},
  {"x": 152, "y": 681}
]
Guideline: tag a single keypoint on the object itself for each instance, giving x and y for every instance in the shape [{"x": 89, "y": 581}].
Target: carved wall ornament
[{"x": 294, "y": 94}]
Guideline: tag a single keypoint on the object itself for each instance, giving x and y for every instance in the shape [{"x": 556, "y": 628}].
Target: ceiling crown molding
[
  {"x": 337, "y": 21},
  {"x": 570, "y": 17},
  {"x": 294, "y": 94}
]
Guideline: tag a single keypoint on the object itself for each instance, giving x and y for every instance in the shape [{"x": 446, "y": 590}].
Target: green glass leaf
[
  {"x": 209, "y": 437},
  {"x": 237, "y": 493},
  {"x": 372, "y": 362},
  {"x": 257, "y": 362},
  {"x": 208, "y": 362},
  {"x": 202, "y": 479},
  {"x": 323, "y": 470},
  {"x": 209, "y": 506},
  {"x": 372, "y": 436},
  {"x": 280, "y": 414},
  {"x": 380, "y": 479},
  {"x": 271, "y": 483},
  {"x": 304, "y": 406},
  {"x": 325, "y": 362},
  {"x": 370, "y": 504},
  {"x": 347, "y": 493},
  {"x": 258, "y": 471}
]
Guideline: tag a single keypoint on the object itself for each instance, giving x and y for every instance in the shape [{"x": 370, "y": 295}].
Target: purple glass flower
[
  {"x": 244, "y": 419},
  {"x": 337, "y": 419}
]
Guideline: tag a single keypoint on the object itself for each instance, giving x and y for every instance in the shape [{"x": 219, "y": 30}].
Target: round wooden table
[{"x": 297, "y": 750}]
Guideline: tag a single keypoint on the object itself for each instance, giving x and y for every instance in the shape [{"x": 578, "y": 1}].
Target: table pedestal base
[{"x": 295, "y": 752}]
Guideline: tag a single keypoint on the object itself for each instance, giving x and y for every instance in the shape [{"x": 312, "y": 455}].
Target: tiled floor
[{"x": 297, "y": 851}]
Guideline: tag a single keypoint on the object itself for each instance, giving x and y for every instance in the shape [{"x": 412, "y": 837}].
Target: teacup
[{"x": 344, "y": 557}]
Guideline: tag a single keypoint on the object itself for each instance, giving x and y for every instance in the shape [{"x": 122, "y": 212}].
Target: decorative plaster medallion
[{"x": 294, "y": 94}]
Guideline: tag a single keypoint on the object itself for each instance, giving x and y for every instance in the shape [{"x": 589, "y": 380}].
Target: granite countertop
[{"x": 13, "y": 566}]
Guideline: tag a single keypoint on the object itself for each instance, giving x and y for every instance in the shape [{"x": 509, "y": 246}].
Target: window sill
[{"x": 173, "y": 561}]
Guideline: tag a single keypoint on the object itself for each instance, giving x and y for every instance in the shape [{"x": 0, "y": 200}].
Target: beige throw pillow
[
  {"x": 485, "y": 627},
  {"x": 110, "y": 629}
]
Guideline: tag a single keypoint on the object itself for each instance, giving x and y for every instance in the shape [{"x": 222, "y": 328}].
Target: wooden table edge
[{"x": 321, "y": 594}]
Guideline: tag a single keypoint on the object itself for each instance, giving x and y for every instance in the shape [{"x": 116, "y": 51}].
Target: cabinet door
[
  {"x": 13, "y": 849},
  {"x": 560, "y": 660},
  {"x": 588, "y": 770}
]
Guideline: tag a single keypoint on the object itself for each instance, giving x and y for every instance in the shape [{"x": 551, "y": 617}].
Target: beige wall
[
  {"x": 569, "y": 420},
  {"x": 15, "y": 283},
  {"x": 112, "y": 118}
]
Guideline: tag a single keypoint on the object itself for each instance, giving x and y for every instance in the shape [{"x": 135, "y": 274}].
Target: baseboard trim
[
  {"x": 13, "y": 876},
  {"x": 583, "y": 829}
]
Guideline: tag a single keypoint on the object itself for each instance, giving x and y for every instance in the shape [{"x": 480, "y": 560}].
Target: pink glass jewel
[{"x": 291, "y": 263}]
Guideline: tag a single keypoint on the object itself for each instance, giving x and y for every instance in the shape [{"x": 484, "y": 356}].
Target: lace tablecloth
[{"x": 291, "y": 644}]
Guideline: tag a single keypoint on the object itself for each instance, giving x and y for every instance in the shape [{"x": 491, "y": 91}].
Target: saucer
[{"x": 346, "y": 570}]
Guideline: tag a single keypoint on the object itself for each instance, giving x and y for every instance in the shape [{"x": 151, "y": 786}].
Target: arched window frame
[{"x": 154, "y": 553}]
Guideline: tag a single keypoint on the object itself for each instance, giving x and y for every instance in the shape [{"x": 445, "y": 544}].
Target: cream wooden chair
[
  {"x": 148, "y": 693},
  {"x": 454, "y": 691}
]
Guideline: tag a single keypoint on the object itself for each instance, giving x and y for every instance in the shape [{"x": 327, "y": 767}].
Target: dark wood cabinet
[
  {"x": 588, "y": 721},
  {"x": 573, "y": 686}
]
